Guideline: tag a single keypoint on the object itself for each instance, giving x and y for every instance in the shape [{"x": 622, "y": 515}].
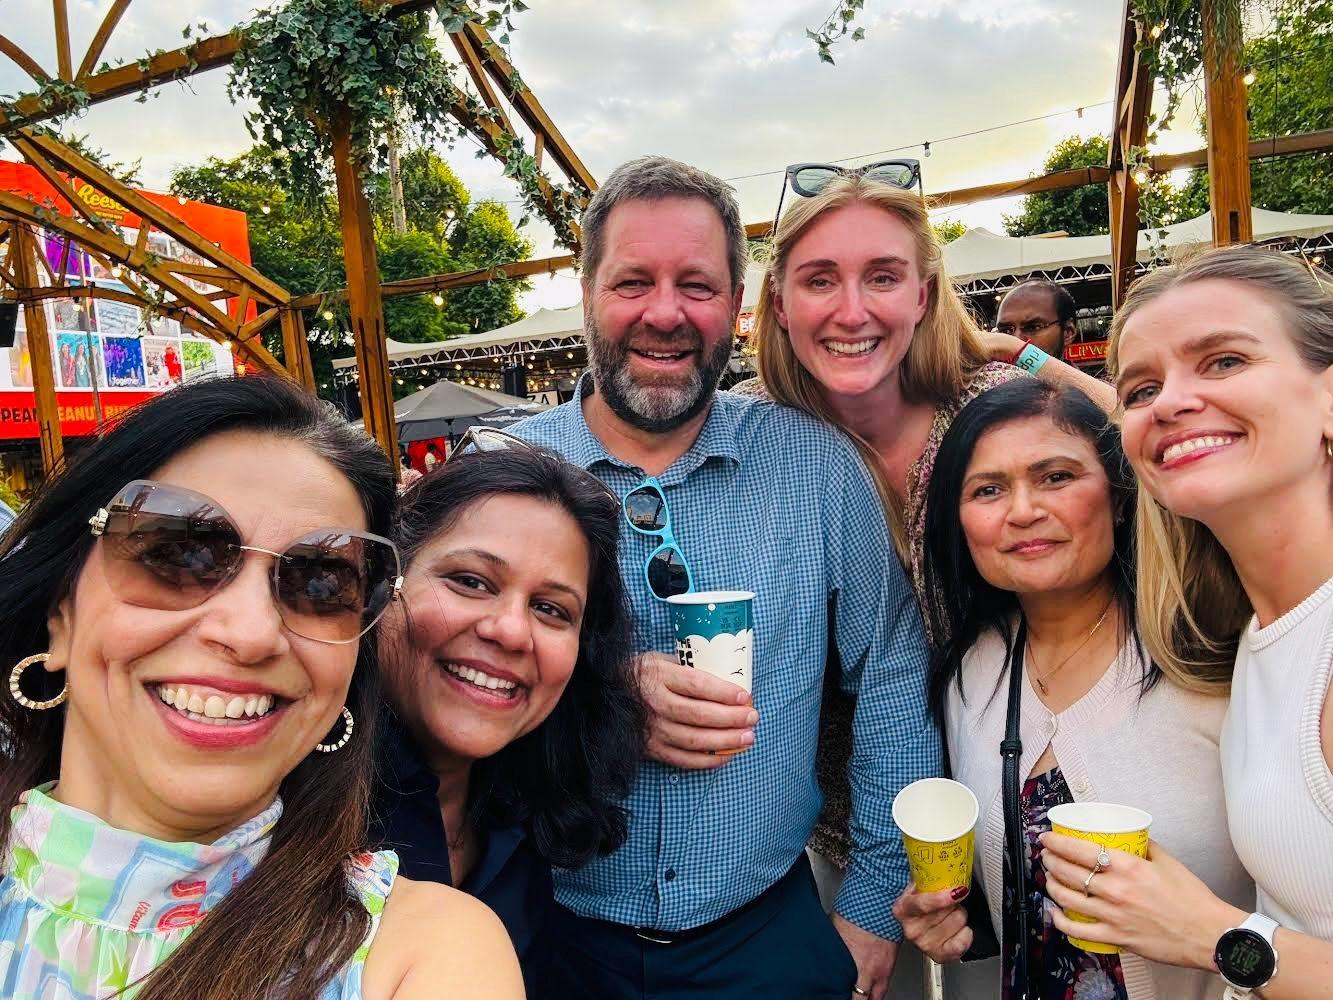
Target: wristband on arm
[{"x": 1030, "y": 358}]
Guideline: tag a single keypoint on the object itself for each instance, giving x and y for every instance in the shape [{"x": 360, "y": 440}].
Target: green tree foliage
[
  {"x": 1292, "y": 93},
  {"x": 948, "y": 230},
  {"x": 298, "y": 243},
  {"x": 482, "y": 238}
]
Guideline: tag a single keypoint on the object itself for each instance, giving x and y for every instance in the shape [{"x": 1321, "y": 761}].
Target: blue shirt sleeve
[{"x": 882, "y": 647}]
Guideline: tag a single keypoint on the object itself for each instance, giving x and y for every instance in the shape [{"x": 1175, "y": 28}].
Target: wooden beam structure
[
  {"x": 530, "y": 109},
  {"x": 363, "y": 293},
  {"x": 24, "y": 252},
  {"x": 1129, "y": 134},
  {"x": 1061, "y": 180},
  {"x": 446, "y": 282},
  {"x": 1228, "y": 130},
  {"x": 296, "y": 349}
]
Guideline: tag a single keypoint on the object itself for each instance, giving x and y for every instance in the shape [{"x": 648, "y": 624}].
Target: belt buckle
[{"x": 646, "y": 934}]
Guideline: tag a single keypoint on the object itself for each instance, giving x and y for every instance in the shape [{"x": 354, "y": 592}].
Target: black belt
[{"x": 655, "y": 936}]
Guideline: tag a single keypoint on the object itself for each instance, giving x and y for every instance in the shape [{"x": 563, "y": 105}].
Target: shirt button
[
  {"x": 669, "y": 875},
  {"x": 674, "y": 779},
  {"x": 1082, "y": 787}
]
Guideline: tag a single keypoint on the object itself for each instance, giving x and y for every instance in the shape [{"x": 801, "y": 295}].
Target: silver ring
[
  {"x": 1103, "y": 860},
  {"x": 859, "y": 992},
  {"x": 1088, "y": 881}
]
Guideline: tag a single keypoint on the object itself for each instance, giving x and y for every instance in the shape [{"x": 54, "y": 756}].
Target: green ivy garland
[
  {"x": 310, "y": 61},
  {"x": 837, "y": 26}
]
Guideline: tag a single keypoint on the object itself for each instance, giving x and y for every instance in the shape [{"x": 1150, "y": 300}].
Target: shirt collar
[{"x": 717, "y": 437}]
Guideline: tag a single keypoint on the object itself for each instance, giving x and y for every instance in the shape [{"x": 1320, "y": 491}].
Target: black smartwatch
[{"x": 1246, "y": 957}]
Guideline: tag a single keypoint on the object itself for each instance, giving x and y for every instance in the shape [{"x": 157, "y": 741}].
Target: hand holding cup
[{"x": 692, "y": 714}]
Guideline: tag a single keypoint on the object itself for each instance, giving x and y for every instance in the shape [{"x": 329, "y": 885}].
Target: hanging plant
[{"x": 313, "y": 65}]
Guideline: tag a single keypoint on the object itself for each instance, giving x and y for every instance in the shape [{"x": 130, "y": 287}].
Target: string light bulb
[
  {"x": 438, "y": 299},
  {"x": 1156, "y": 32},
  {"x": 926, "y": 147},
  {"x": 1140, "y": 176},
  {"x": 1249, "y": 78},
  {"x": 265, "y": 209},
  {"x": 328, "y": 315}
]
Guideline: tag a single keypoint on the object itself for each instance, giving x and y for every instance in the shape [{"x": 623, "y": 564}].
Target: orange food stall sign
[{"x": 128, "y": 353}]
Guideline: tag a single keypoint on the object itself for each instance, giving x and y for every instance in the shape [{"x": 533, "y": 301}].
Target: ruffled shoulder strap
[{"x": 371, "y": 877}]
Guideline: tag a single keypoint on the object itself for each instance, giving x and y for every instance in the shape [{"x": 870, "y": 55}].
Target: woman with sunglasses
[
  {"x": 514, "y": 728},
  {"x": 858, "y": 324},
  {"x": 186, "y": 763}
]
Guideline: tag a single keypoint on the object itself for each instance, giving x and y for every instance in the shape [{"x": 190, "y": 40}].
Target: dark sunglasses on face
[
  {"x": 171, "y": 549},
  {"x": 808, "y": 179},
  {"x": 666, "y": 571}
]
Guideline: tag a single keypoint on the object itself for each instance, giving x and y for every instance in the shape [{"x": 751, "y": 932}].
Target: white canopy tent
[
  {"x": 980, "y": 254},
  {"x": 545, "y": 329}
]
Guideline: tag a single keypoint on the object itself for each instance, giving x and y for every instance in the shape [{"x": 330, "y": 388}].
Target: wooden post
[
  {"x": 1228, "y": 132},
  {"x": 296, "y": 349},
  {"x": 23, "y": 252},
  {"x": 363, "y": 295},
  {"x": 1129, "y": 130}
]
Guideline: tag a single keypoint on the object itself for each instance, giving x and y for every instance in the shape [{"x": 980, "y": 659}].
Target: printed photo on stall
[
  {"x": 124, "y": 362},
  {"x": 200, "y": 359},
  {"x": 20, "y": 359},
  {"x": 72, "y": 314},
  {"x": 118, "y": 319},
  {"x": 162, "y": 362},
  {"x": 76, "y": 366}
]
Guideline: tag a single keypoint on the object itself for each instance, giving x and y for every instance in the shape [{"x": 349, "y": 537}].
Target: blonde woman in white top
[
  {"x": 1030, "y": 521},
  {"x": 1225, "y": 372}
]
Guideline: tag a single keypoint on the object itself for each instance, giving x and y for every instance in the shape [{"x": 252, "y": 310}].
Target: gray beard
[{"x": 655, "y": 408}]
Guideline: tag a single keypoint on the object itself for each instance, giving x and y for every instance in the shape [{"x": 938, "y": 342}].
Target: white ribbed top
[{"x": 1279, "y": 790}]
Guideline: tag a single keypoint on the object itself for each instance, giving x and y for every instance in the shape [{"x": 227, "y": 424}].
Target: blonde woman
[
  {"x": 1224, "y": 367},
  {"x": 858, "y": 324}
]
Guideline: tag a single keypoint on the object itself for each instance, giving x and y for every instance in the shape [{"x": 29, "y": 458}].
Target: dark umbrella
[
  {"x": 501, "y": 417},
  {"x": 438, "y": 410}
]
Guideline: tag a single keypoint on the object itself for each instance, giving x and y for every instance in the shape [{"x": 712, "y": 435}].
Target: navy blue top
[{"x": 509, "y": 877}]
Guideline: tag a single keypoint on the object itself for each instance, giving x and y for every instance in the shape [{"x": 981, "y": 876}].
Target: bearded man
[{"x": 711, "y": 894}]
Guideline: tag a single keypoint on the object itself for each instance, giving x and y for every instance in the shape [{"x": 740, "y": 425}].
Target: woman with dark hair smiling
[
  {"x": 1030, "y": 528},
  {"x": 515, "y": 728},
  {"x": 187, "y": 619}
]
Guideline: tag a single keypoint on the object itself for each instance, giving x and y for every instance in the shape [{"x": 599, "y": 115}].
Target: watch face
[{"x": 1245, "y": 959}]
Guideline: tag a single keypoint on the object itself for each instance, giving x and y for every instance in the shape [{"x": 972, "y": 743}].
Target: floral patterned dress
[
  {"x": 87, "y": 910},
  {"x": 1057, "y": 970},
  {"x": 832, "y": 836}
]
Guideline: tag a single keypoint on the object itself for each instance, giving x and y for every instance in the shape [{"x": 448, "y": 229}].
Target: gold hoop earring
[
  {"x": 17, "y": 692},
  {"x": 348, "y": 722},
  {"x": 1328, "y": 448}
]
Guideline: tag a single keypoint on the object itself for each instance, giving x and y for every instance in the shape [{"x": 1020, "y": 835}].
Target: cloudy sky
[{"x": 732, "y": 86}]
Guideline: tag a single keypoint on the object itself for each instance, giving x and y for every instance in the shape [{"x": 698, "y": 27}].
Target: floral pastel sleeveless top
[{"x": 86, "y": 910}]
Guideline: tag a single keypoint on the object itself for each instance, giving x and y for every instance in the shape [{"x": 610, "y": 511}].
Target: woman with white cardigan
[{"x": 1030, "y": 535}]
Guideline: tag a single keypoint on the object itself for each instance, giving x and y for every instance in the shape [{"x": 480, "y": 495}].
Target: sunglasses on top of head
[
  {"x": 171, "y": 549},
  {"x": 808, "y": 179}
]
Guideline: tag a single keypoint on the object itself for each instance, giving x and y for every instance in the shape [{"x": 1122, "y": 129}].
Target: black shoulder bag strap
[{"x": 1011, "y": 750}]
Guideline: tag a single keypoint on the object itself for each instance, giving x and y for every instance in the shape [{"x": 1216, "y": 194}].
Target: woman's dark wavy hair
[
  {"x": 962, "y": 604},
  {"x": 293, "y": 922},
  {"x": 564, "y": 781}
]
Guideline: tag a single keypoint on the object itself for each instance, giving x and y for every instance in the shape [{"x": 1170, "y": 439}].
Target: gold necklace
[{"x": 1041, "y": 681}]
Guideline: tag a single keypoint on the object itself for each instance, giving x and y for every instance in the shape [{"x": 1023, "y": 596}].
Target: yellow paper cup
[
  {"x": 1113, "y": 827},
  {"x": 937, "y": 817}
]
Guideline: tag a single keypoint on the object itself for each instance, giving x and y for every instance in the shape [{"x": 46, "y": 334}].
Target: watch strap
[{"x": 1265, "y": 927}]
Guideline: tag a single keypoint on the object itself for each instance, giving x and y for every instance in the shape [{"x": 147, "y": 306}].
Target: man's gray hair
[{"x": 653, "y": 178}]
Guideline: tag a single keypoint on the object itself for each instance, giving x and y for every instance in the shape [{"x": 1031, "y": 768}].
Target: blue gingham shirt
[{"x": 767, "y": 499}]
